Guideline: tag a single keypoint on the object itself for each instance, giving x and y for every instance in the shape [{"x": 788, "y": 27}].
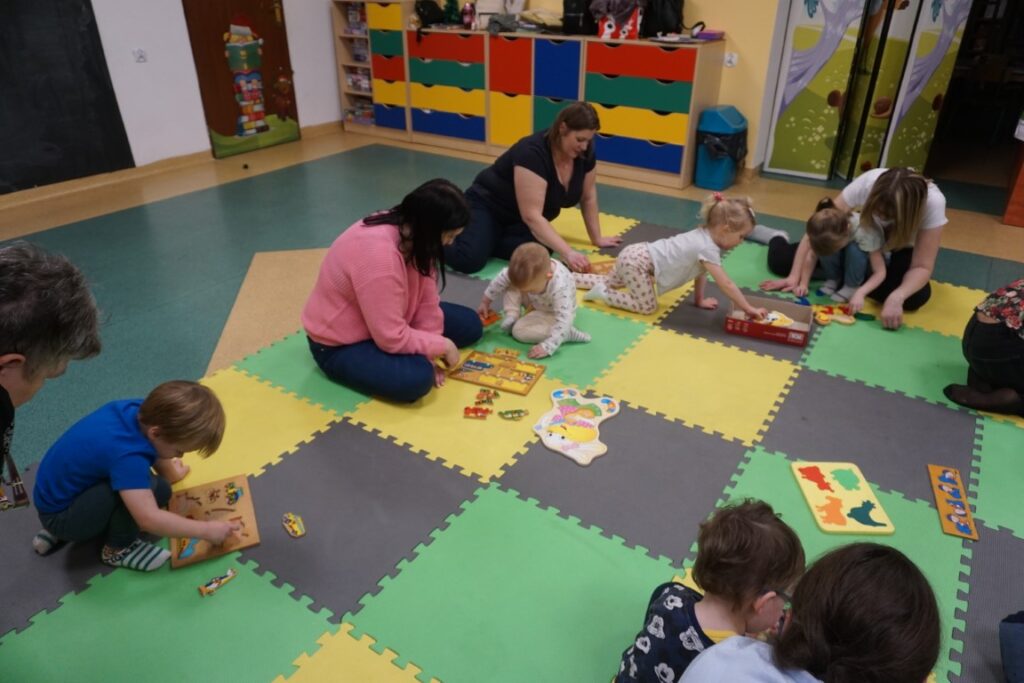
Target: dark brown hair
[
  {"x": 528, "y": 261},
  {"x": 863, "y": 613},
  {"x": 828, "y": 228},
  {"x": 576, "y": 116},
  {"x": 743, "y": 550},
  {"x": 188, "y": 414},
  {"x": 899, "y": 195}
]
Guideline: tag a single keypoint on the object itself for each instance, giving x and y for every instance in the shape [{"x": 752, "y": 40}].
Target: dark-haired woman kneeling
[{"x": 375, "y": 320}]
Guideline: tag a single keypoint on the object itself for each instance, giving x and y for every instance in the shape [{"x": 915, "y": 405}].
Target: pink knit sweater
[{"x": 366, "y": 290}]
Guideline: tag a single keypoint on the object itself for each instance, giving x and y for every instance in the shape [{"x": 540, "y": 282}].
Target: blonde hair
[
  {"x": 527, "y": 263},
  {"x": 898, "y": 195},
  {"x": 828, "y": 228},
  {"x": 735, "y": 213},
  {"x": 188, "y": 415}
]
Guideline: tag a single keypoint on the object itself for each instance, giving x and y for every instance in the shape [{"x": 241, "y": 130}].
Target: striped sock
[
  {"x": 140, "y": 555},
  {"x": 577, "y": 335}
]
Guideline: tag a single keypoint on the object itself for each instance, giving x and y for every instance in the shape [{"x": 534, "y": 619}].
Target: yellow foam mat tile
[
  {"x": 947, "y": 312},
  {"x": 666, "y": 301},
  {"x": 344, "y": 658},
  {"x": 716, "y": 388},
  {"x": 263, "y": 423},
  {"x": 570, "y": 226},
  {"x": 435, "y": 426}
]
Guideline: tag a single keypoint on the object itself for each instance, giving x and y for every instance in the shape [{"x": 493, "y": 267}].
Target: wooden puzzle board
[
  {"x": 602, "y": 267},
  {"x": 951, "y": 502},
  {"x": 494, "y": 371},
  {"x": 840, "y": 498},
  {"x": 225, "y": 500}
]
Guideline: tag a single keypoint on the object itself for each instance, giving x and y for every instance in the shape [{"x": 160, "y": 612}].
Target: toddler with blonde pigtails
[{"x": 647, "y": 269}]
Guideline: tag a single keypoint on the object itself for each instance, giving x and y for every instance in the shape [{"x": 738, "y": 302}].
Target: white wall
[{"x": 159, "y": 99}]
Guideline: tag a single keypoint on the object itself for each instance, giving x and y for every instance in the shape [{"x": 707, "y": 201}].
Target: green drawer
[
  {"x": 387, "y": 43},
  {"x": 642, "y": 93},
  {"x": 445, "y": 72},
  {"x": 545, "y": 109}
]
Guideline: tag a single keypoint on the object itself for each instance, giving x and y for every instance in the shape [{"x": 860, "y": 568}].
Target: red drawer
[
  {"x": 388, "y": 68},
  {"x": 510, "y": 64},
  {"x": 645, "y": 61},
  {"x": 458, "y": 47}
]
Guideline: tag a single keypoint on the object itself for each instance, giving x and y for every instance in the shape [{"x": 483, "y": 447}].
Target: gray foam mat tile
[
  {"x": 463, "y": 289},
  {"x": 31, "y": 584},
  {"x": 891, "y": 438},
  {"x": 996, "y": 577},
  {"x": 710, "y": 325},
  {"x": 366, "y": 504},
  {"x": 641, "y": 232},
  {"x": 657, "y": 482}
]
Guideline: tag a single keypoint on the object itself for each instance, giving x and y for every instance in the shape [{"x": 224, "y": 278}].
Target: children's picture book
[
  {"x": 225, "y": 500},
  {"x": 951, "y": 502},
  {"x": 572, "y": 426},
  {"x": 502, "y": 371},
  {"x": 840, "y": 498}
]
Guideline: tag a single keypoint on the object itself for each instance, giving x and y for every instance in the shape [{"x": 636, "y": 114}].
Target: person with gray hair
[{"x": 48, "y": 317}]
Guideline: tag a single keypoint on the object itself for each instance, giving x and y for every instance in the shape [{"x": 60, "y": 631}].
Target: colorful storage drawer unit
[
  {"x": 456, "y": 47},
  {"x": 663, "y": 157},
  {"x": 510, "y": 118},
  {"x": 447, "y": 98},
  {"x": 386, "y": 16},
  {"x": 387, "y": 43},
  {"x": 556, "y": 68},
  {"x": 642, "y": 93},
  {"x": 446, "y": 72},
  {"x": 643, "y": 124},
  {"x": 389, "y": 68},
  {"x": 545, "y": 109},
  {"x": 510, "y": 62},
  {"x": 388, "y": 116},
  {"x": 447, "y": 123},
  {"x": 389, "y": 92},
  {"x": 642, "y": 61}
]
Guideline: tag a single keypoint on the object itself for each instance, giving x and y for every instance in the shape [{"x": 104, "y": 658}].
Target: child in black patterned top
[{"x": 747, "y": 563}]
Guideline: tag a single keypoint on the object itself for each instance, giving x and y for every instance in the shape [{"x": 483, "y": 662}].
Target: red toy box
[{"x": 796, "y": 334}]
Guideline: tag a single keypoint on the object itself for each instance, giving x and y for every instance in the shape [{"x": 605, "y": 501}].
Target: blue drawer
[
  {"x": 446, "y": 123},
  {"x": 556, "y": 68},
  {"x": 388, "y": 116},
  {"x": 640, "y": 153}
]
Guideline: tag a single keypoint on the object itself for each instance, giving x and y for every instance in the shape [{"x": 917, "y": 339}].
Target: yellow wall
[{"x": 748, "y": 26}]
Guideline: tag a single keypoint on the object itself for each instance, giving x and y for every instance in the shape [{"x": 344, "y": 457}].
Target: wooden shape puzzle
[
  {"x": 572, "y": 426},
  {"x": 840, "y": 498},
  {"x": 498, "y": 371},
  {"x": 602, "y": 267},
  {"x": 225, "y": 500},
  {"x": 951, "y": 502}
]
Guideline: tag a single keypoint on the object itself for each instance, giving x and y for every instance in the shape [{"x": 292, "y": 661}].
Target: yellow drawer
[
  {"x": 510, "y": 118},
  {"x": 384, "y": 16},
  {"x": 389, "y": 92},
  {"x": 447, "y": 98},
  {"x": 643, "y": 124}
]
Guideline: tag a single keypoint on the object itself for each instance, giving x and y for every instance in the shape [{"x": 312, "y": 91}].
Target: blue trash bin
[{"x": 721, "y": 147}]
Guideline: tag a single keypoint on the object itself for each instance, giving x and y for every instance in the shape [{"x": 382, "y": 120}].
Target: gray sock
[
  {"x": 828, "y": 287},
  {"x": 844, "y": 295},
  {"x": 762, "y": 234}
]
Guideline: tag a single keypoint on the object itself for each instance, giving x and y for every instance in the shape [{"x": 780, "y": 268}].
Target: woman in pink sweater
[{"x": 375, "y": 321}]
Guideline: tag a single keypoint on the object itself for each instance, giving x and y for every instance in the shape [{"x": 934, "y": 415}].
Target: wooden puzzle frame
[
  {"x": 213, "y": 501},
  {"x": 498, "y": 371}
]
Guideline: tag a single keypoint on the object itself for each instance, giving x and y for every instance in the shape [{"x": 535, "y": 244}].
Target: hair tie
[{"x": 717, "y": 196}]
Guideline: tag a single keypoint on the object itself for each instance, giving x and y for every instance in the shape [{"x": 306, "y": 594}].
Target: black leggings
[
  {"x": 488, "y": 234},
  {"x": 780, "y": 261},
  {"x": 995, "y": 355}
]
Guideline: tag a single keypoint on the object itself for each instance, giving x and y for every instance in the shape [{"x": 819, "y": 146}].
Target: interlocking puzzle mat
[
  {"x": 840, "y": 498},
  {"x": 464, "y": 551},
  {"x": 498, "y": 371},
  {"x": 227, "y": 500}
]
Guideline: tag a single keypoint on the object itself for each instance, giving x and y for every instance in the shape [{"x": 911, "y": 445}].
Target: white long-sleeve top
[{"x": 558, "y": 299}]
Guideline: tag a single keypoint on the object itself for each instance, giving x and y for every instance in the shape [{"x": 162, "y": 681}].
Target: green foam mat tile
[
  {"x": 512, "y": 592},
  {"x": 747, "y": 265},
  {"x": 288, "y": 364},
  {"x": 247, "y": 631},
  {"x": 1000, "y": 477},
  {"x": 579, "y": 364},
  {"x": 909, "y": 360},
  {"x": 768, "y": 476}
]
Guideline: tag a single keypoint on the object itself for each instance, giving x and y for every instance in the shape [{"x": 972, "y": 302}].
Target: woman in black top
[{"x": 515, "y": 199}]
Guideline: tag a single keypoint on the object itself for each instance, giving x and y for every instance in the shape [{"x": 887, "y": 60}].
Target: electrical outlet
[
  {"x": 139, "y": 54},
  {"x": 731, "y": 59}
]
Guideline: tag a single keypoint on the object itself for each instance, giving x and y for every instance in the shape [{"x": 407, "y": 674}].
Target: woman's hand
[
  {"x": 892, "y": 312},
  {"x": 577, "y": 262},
  {"x": 607, "y": 242},
  {"x": 439, "y": 376},
  {"x": 450, "y": 357}
]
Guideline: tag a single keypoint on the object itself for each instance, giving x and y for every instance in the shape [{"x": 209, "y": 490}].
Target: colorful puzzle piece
[
  {"x": 572, "y": 426},
  {"x": 840, "y": 498}
]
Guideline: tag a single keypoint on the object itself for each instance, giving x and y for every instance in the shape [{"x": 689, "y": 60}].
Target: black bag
[
  {"x": 429, "y": 13},
  {"x": 661, "y": 16},
  {"x": 577, "y": 19}
]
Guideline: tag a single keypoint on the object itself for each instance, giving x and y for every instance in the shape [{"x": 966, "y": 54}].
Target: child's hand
[
  {"x": 218, "y": 532},
  {"x": 800, "y": 290},
  {"x": 178, "y": 470},
  {"x": 508, "y": 323},
  {"x": 537, "y": 352},
  {"x": 484, "y": 309},
  {"x": 758, "y": 313},
  {"x": 856, "y": 303},
  {"x": 708, "y": 303},
  {"x": 784, "y": 284}
]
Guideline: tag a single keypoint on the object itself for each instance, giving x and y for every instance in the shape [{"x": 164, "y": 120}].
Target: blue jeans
[
  {"x": 848, "y": 266},
  {"x": 488, "y": 234},
  {"x": 399, "y": 377},
  {"x": 1011, "y": 647}
]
